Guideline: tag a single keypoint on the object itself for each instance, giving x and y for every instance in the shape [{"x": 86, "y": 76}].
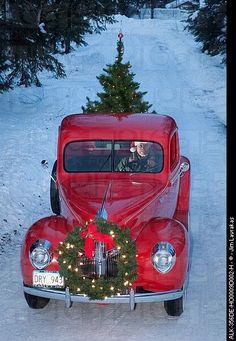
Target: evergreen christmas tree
[
  {"x": 120, "y": 91},
  {"x": 32, "y": 32},
  {"x": 209, "y": 27}
]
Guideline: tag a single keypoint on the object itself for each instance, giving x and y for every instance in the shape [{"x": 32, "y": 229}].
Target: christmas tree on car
[{"x": 120, "y": 90}]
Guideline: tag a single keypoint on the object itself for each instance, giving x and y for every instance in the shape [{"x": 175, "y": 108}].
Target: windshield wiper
[{"x": 104, "y": 163}]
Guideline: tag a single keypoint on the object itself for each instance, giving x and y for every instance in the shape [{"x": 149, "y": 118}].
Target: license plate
[{"x": 47, "y": 279}]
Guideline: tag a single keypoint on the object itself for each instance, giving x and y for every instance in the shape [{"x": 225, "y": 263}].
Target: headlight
[
  {"x": 39, "y": 254},
  {"x": 163, "y": 257}
]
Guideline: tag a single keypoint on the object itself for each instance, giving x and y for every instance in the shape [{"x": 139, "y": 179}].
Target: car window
[
  {"x": 113, "y": 156},
  {"x": 138, "y": 157},
  {"x": 88, "y": 156}
]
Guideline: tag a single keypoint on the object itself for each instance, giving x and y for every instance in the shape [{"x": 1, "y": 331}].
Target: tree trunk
[
  {"x": 8, "y": 18},
  {"x": 67, "y": 43},
  {"x": 39, "y": 13},
  {"x": 152, "y": 13},
  {"x": 68, "y": 30},
  {"x": 152, "y": 8},
  {"x": 7, "y": 13}
]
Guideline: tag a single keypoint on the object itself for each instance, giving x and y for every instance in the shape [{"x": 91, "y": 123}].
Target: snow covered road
[{"x": 181, "y": 82}]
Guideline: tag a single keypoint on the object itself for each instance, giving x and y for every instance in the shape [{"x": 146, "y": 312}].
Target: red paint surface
[{"x": 153, "y": 206}]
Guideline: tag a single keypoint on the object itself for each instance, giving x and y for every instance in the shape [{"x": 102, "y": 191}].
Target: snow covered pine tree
[
  {"x": 32, "y": 32},
  {"x": 208, "y": 25}
]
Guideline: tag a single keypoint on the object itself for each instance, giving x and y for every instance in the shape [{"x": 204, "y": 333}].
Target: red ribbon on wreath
[{"x": 92, "y": 235}]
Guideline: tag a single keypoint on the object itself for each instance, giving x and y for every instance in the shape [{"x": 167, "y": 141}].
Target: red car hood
[{"x": 122, "y": 200}]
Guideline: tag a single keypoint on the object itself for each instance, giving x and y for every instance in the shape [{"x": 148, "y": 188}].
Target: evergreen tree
[
  {"x": 31, "y": 32},
  {"x": 25, "y": 50},
  {"x": 69, "y": 20},
  {"x": 125, "y": 7},
  {"x": 122, "y": 6},
  {"x": 209, "y": 27},
  {"x": 120, "y": 91}
]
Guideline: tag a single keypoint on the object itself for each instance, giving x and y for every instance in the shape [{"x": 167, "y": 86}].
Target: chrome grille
[{"x": 103, "y": 264}]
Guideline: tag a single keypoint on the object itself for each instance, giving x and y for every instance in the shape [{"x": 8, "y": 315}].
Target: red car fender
[
  {"x": 54, "y": 229},
  {"x": 162, "y": 230}
]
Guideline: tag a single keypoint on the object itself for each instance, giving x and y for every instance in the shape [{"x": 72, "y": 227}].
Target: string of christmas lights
[
  {"x": 120, "y": 90},
  {"x": 72, "y": 259}
]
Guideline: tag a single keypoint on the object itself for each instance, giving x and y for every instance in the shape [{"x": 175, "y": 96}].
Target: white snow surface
[{"x": 181, "y": 82}]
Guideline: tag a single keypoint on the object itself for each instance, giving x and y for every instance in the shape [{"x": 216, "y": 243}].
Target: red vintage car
[{"x": 125, "y": 172}]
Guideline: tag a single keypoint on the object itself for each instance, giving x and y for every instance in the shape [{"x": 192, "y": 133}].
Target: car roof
[{"x": 141, "y": 126}]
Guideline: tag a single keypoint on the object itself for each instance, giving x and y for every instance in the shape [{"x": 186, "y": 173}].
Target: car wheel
[
  {"x": 175, "y": 307},
  {"x": 36, "y": 302},
  {"x": 54, "y": 194}
]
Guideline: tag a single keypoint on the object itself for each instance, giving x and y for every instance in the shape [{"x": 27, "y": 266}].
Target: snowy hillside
[{"x": 181, "y": 82}]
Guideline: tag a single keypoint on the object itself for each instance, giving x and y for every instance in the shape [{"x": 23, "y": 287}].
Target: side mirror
[
  {"x": 44, "y": 164},
  {"x": 184, "y": 167}
]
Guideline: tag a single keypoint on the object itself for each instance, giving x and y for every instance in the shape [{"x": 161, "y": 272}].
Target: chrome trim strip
[{"x": 130, "y": 299}]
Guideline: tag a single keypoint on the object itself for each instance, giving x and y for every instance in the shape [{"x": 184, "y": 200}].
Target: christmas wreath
[{"x": 76, "y": 254}]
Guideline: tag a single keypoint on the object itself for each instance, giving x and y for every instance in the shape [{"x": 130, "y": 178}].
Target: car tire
[
  {"x": 54, "y": 193},
  {"x": 35, "y": 302},
  {"x": 175, "y": 307}
]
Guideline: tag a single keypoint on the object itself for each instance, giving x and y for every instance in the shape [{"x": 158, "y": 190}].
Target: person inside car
[{"x": 142, "y": 159}]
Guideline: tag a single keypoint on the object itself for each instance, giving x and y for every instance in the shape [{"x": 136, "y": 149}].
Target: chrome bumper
[{"x": 130, "y": 299}]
